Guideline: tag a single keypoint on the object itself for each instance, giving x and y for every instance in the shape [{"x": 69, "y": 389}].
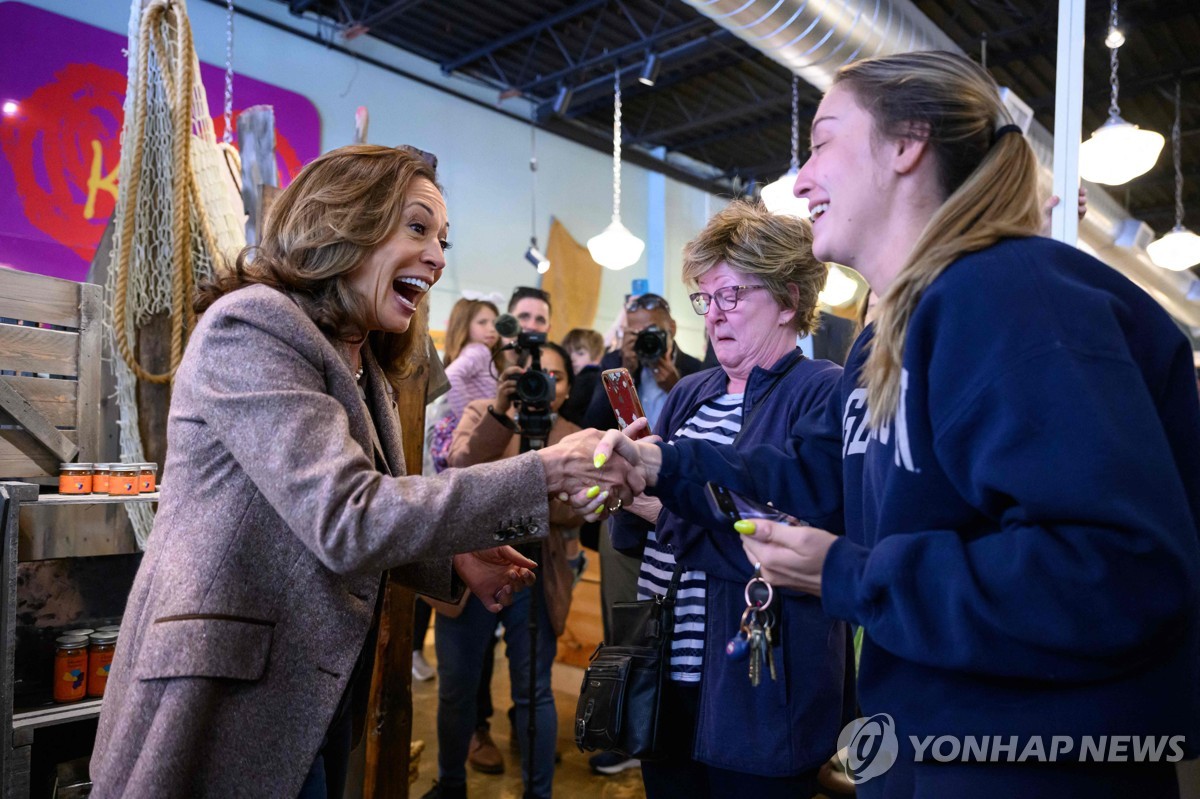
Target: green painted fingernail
[
  {"x": 744, "y": 526},
  {"x": 600, "y": 460},
  {"x": 593, "y": 492}
]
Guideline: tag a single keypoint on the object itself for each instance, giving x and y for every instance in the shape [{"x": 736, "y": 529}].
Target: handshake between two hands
[
  {"x": 596, "y": 472},
  {"x": 600, "y": 472}
]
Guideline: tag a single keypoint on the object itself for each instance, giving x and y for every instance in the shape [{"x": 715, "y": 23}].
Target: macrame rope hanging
[
  {"x": 160, "y": 19},
  {"x": 176, "y": 215}
]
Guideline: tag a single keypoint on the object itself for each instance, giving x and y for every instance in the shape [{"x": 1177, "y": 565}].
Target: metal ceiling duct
[{"x": 813, "y": 38}]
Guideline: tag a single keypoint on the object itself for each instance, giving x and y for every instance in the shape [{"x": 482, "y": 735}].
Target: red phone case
[{"x": 622, "y": 395}]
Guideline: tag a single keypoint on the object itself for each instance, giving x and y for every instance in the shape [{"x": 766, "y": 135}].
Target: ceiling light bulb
[
  {"x": 1177, "y": 250},
  {"x": 779, "y": 197},
  {"x": 1118, "y": 152},
  {"x": 615, "y": 247}
]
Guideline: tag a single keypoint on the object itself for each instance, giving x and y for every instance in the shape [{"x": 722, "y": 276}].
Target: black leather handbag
[{"x": 621, "y": 695}]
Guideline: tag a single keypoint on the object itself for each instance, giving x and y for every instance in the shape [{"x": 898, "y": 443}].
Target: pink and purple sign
[{"x": 62, "y": 88}]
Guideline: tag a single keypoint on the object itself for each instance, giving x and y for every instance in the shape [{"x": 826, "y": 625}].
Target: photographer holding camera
[
  {"x": 525, "y": 406},
  {"x": 649, "y": 352}
]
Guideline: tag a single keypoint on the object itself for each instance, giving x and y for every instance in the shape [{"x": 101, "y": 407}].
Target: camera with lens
[
  {"x": 650, "y": 344},
  {"x": 535, "y": 392},
  {"x": 535, "y": 388}
]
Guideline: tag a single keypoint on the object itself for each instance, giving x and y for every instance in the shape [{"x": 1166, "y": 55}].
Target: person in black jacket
[{"x": 654, "y": 377}]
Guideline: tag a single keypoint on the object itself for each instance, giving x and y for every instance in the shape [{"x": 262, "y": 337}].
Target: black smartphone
[{"x": 733, "y": 506}]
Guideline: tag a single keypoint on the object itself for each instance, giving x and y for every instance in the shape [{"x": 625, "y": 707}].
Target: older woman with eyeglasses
[{"x": 757, "y": 284}]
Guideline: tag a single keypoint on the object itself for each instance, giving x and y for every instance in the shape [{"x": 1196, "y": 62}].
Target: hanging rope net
[{"x": 177, "y": 217}]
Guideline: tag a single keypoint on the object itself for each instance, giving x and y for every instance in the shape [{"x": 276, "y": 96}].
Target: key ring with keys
[{"x": 757, "y": 582}]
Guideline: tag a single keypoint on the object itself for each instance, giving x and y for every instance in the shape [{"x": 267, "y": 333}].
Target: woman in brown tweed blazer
[{"x": 249, "y": 632}]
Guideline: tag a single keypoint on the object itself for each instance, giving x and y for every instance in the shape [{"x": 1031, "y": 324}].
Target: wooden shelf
[
  {"x": 56, "y": 714},
  {"x": 93, "y": 499}
]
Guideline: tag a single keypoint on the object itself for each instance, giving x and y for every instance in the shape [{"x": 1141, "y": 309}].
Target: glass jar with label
[
  {"x": 75, "y": 478},
  {"x": 147, "y": 478},
  {"x": 70, "y": 668},
  {"x": 100, "y": 479},
  {"x": 123, "y": 479},
  {"x": 100, "y": 656}
]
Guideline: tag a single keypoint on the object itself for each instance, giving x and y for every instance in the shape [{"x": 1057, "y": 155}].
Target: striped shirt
[{"x": 717, "y": 421}]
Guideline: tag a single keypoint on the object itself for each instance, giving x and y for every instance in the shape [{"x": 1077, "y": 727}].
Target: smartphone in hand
[
  {"x": 731, "y": 505},
  {"x": 622, "y": 395}
]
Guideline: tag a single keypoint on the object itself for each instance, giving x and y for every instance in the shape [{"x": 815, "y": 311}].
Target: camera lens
[
  {"x": 535, "y": 388},
  {"x": 650, "y": 344}
]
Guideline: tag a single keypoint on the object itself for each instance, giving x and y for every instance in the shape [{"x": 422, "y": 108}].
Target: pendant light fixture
[
  {"x": 1118, "y": 151},
  {"x": 1179, "y": 249},
  {"x": 616, "y": 247},
  {"x": 780, "y": 197},
  {"x": 533, "y": 255}
]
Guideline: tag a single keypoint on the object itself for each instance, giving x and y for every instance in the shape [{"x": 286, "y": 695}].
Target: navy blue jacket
[
  {"x": 791, "y": 725},
  {"x": 1021, "y": 541}
]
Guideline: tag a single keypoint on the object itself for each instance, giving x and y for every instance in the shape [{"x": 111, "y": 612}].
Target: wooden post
[
  {"x": 389, "y": 712},
  {"x": 153, "y": 351}
]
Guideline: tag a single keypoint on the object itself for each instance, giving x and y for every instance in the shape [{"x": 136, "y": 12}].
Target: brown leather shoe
[{"x": 483, "y": 755}]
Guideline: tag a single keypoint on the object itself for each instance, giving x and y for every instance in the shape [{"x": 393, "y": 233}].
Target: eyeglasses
[
  {"x": 646, "y": 302},
  {"x": 726, "y": 298}
]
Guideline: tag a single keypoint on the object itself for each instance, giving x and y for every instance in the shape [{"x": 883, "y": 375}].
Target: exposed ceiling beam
[
  {"x": 359, "y": 27},
  {"x": 592, "y": 91},
  {"x": 674, "y": 74},
  {"x": 638, "y": 47},
  {"x": 749, "y": 127},
  {"x": 527, "y": 32},
  {"x": 1128, "y": 87},
  {"x": 754, "y": 108}
]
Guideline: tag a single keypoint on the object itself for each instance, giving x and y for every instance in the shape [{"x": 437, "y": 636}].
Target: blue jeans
[{"x": 460, "y": 644}]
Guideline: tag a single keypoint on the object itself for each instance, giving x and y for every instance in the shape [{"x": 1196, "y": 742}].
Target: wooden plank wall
[{"x": 58, "y": 371}]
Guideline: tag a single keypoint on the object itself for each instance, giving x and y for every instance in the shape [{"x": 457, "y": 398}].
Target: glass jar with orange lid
[
  {"x": 75, "y": 478},
  {"x": 123, "y": 479},
  {"x": 70, "y": 668}
]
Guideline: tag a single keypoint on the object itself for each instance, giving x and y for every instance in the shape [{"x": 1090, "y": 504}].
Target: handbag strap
[{"x": 673, "y": 587}]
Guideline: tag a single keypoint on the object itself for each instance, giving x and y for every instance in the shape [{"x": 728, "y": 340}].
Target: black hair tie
[{"x": 1005, "y": 129}]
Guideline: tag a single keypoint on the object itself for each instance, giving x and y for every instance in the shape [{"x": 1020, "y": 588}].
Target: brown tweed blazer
[{"x": 257, "y": 590}]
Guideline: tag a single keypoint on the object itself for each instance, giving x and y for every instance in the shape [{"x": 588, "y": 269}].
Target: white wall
[{"x": 483, "y": 155}]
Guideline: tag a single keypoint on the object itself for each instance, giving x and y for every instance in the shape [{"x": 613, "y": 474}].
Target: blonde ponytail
[{"x": 990, "y": 185}]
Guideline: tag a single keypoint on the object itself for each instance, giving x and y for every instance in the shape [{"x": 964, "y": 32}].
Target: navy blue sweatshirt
[{"x": 1022, "y": 541}]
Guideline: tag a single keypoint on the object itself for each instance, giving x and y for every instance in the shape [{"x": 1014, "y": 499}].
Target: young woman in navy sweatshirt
[{"x": 1020, "y": 433}]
